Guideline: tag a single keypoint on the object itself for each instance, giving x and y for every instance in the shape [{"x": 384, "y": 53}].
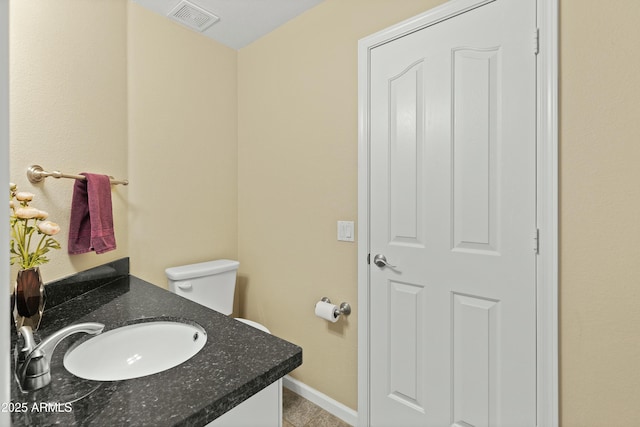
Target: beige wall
[
  {"x": 298, "y": 176},
  {"x": 600, "y": 213},
  {"x": 126, "y": 92},
  {"x": 182, "y": 146},
  {"x": 68, "y": 109}
]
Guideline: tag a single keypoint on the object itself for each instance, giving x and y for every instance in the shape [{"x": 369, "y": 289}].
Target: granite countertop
[{"x": 236, "y": 362}]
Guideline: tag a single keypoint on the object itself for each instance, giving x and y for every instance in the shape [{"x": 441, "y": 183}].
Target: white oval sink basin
[{"x": 136, "y": 350}]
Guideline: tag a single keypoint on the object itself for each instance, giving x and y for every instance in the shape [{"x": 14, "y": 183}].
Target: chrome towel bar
[{"x": 36, "y": 174}]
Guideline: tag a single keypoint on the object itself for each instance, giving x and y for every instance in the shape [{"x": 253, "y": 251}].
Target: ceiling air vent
[{"x": 192, "y": 16}]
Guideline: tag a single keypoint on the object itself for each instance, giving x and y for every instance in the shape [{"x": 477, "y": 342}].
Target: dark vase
[{"x": 29, "y": 298}]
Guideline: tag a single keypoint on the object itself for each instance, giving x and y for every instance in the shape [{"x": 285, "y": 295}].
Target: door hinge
[
  {"x": 536, "y": 240},
  {"x": 536, "y": 42}
]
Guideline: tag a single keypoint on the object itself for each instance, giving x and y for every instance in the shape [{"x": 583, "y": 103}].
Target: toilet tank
[{"x": 210, "y": 283}]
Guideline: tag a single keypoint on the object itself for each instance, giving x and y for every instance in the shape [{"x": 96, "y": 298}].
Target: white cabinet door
[{"x": 263, "y": 409}]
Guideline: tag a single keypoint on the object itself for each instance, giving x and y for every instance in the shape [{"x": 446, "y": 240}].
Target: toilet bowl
[
  {"x": 210, "y": 283},
  {"x": 254, "y": 324}
]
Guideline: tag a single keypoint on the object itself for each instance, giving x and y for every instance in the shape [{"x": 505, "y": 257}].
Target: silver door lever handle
[{"x": 381, "y": 261}]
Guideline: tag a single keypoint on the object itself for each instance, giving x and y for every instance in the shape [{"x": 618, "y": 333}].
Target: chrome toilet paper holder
[{"x": 344, "y": 308}]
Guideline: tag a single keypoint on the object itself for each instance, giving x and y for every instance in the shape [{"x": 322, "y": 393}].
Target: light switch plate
[{"x": 346, "y": 231}]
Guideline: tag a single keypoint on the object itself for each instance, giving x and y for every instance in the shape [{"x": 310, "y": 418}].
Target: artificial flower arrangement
[
  {"x": 26, "y": 221},
  {"x": 29, "y": 226}
]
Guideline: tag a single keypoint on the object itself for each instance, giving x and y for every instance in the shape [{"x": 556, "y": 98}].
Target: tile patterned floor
[{"x": 299, "y": 412}]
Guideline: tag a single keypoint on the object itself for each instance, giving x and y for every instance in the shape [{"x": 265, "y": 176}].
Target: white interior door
[{"x": 453, "y": 207}]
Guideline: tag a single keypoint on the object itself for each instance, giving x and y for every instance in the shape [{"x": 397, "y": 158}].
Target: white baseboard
[{"x": 330, "y": 405}]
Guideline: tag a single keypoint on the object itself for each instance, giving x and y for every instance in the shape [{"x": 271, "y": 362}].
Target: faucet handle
[
  {"x": 34, "y": 371},
  {"x": 28, "y": 342}
]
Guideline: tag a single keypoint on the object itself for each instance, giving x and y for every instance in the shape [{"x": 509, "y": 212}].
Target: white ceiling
[{"x": 241, "y": 21}]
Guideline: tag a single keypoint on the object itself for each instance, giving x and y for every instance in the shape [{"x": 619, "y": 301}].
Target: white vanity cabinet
[{"x": 263, "y": 409}]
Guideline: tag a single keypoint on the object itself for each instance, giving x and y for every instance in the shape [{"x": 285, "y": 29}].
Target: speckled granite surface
[{"x": 236, "y": 362}]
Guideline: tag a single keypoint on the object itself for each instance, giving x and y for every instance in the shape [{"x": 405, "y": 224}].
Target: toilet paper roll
[{"x": 327, "y": 311}]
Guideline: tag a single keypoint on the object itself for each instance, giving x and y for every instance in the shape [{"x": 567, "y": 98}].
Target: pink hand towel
[{"x": 91, "y": 225}]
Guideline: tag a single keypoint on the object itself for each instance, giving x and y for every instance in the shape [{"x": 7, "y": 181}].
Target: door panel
[
  {"x": 476, "y": 90},
  {"x": 476, "y": 327},
  {"x": 406, "y": 309},
  {"x": 406, "y": 125},
  {"x": 452, "y": 205}
]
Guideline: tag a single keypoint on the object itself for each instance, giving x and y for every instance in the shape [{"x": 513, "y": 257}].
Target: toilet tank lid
[{"x": 192, "y": 271}]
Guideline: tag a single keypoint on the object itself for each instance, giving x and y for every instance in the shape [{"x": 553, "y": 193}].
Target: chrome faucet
[{"x": 34, "y": 361}]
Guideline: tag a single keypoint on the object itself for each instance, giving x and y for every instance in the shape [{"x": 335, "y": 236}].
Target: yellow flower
[{"x": 49, "y": 228}]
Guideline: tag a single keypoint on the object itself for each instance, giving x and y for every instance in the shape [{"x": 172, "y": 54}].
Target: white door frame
[{"x": 547, "y": 198}]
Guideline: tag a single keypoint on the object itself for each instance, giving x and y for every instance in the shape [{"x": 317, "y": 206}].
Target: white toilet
[{"x": 213, "y": 285}]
